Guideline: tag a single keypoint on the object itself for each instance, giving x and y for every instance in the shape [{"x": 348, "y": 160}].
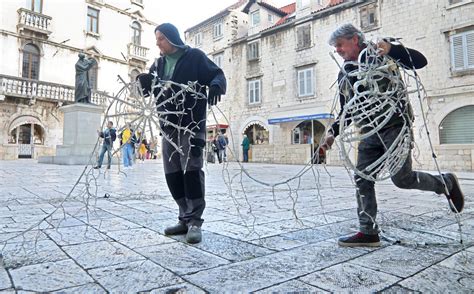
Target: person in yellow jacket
[
  {"x": 142, "y": 150},
  {"x": 128, "y": 142}
]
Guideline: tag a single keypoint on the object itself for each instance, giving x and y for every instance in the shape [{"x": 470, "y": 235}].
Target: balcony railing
[
  {"x": 137, "y": 52},
  {"x": 33, "y": 89},
  {"x": 34, "y": 21}
]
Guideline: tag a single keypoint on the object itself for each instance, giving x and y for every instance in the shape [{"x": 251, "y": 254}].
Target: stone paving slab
[
  {"x": 75, "y": 235},
  {"x": 134, "y": 277},
  {"x": 438, "y": 279},
  {"x": 228, "y": 248},
  {"x": 139, "y": 237},
  {"x": 259, "y": 247},
  {"x": 278, "y": 242},
  {"x": 4, "y": 279},
  {"x": 293, "y": 286},
  {"x": 62, "y": 219},
  {"x": 28, "y": 236},
  {"x": 50, "y": 276},
  {"x": 113, "y": 224},
  {"x": 25, "y": 253},
  {"x": 90, "y": 288},
  {"x": 272, "y": 269},
  {"x": 350, "y": 277},
  {"x": 398, "y": 260},
  {"x": 179, "y": 289},
  {"x": 100, "y": 254},
  {"x": 181, "y": 258}
]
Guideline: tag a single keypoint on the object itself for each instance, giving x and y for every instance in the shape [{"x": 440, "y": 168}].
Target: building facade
[
  {"x": 40, "y": 46},
  {"x": 282, "y": 77}
]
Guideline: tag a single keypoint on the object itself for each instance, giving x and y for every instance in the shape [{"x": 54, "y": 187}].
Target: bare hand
[
  {"x": 328, "y": 141},
  {"x": 383, "y": 47}
]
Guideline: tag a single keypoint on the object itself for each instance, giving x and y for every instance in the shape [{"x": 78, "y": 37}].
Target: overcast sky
[{"x": 187, "y": 13}]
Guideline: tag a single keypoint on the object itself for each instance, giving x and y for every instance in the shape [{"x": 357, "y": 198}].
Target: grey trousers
[
  {"x": 370, "y": 149},
  {"x": 184, "y": 175}
]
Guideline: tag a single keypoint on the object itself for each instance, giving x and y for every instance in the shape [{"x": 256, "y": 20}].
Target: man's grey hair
[{"x": 346, "y": 31}]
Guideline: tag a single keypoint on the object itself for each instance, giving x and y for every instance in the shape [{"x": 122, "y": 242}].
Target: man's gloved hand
[
  {"x": 145, "y": 81},
  {"x": 214, "y": 95}
]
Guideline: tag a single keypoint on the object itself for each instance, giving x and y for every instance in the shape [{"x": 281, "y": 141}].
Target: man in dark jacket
[
  {"x": 349, "y": 43},
  {"x": 109, "y": 136},
  {"x": 184, "y": 175}
]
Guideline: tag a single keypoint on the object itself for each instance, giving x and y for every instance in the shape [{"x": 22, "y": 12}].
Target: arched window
[
  {"x": 31, "y": 62},
  {"x": 133, "y": 89},
  {"x": 308, "y": 132},
  {"x": 133, "y": 75},
  {"x": 136, "y": 33},
  {"x": 456, "y": 127},
  {"x": 93, "y": 73},
  {"x": 257, "y": 134}
]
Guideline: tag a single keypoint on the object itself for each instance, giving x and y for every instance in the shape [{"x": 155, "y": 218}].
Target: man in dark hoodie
[
  {"x": 184, "y": 175},
  {"x": 349, "y": 42}
]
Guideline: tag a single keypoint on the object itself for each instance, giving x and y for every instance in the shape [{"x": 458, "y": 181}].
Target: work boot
[
  {"x": 178, "y": 229},
  {"x": 360, "y": 240},
  {"x": 455, "y": 194},
  {"x": 194, "y": 234}
]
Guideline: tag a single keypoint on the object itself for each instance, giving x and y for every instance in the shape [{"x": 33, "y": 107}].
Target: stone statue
[{"x": 83, "y": 86}]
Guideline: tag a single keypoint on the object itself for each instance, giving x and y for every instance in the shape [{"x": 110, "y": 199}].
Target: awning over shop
[
  {"x": 24, "y": 120},
  {"x": 217, "y": 126},
  {"x": 309, "y": 113}
]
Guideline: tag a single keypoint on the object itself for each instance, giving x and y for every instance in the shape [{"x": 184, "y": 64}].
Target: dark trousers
[
  {"x": 371, "y": 149},
  {"x": 105, "y": 148},
  {"x": 184, "y": 176},
  {"x": 246, "y": 155}
]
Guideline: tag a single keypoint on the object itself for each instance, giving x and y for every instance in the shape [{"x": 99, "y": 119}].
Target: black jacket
[
  {"x": 192, "y": 66},
  {"x": 398, "y": 53},
  {"x": 109, "y": 136}
]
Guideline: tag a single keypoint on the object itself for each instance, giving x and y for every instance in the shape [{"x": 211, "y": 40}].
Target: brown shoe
[{"x": 455, "y": 194}]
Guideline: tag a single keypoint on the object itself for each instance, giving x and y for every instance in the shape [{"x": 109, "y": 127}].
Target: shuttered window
[
  {"x": 457, "y": 127},
  {"x": 368, "y": 16},
  {"x": 462, "y": 51},
  {"x": 305, "y": 82},
  {"x": 303, "y": 37},
  {"x": 254, "y": 91},
  {"x": 253, "y": 50}
]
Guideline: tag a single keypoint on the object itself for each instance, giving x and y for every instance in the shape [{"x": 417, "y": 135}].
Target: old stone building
[
  {"x": 281, "y": 76},
  {"x": 40, "y": 41},
  {"x": 215, "y": 36}
]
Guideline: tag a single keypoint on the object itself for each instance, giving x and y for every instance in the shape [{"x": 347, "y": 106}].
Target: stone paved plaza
[{"x": 255, "y": 240}]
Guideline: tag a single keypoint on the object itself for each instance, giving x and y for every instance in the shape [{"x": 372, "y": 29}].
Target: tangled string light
[{"x": 378, "y": 94}]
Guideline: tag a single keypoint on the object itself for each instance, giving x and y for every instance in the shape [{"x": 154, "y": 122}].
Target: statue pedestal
[{"x": 81, "y": 122}]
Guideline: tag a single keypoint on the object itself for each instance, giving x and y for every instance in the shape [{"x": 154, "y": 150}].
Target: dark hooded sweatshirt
[{"x": 193, "y": 65}]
